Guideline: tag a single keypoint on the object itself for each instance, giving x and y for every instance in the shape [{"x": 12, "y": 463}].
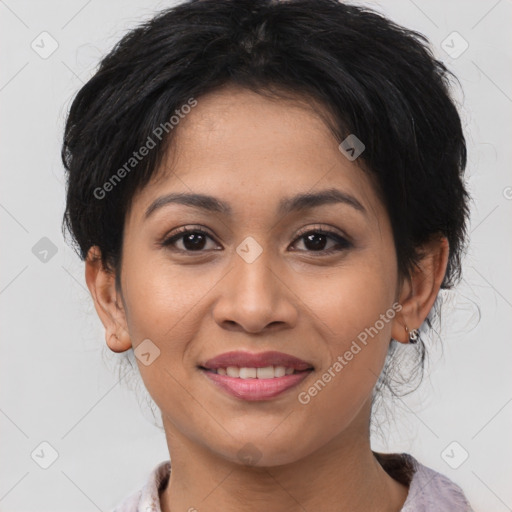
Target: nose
[{"x": 254, "y": 297}]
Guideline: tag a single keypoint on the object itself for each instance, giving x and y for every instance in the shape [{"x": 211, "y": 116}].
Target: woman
[{"x": 268, "y": 197}]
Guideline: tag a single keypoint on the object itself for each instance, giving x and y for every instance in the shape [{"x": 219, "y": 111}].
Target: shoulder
[
  {"x": 147, "y": 499},
  {"x": 430, "y": 490}
]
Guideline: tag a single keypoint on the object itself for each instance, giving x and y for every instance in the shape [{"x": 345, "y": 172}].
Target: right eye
[{"x": 192, "y": 239}]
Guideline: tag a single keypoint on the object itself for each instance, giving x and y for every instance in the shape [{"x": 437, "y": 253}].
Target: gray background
[{"x": 57, "y": 380}]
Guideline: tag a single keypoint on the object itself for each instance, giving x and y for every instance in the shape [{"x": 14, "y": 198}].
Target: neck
[{"x": 342, "y": 476}]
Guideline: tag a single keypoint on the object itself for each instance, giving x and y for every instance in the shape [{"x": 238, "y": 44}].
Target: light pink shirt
[{"x": 429, "y": 491}]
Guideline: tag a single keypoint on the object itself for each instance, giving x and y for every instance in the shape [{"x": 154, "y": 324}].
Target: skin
[{"x": 250, "y": 152}]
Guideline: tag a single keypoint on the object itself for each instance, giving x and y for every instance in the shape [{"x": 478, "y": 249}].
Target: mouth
[
  {"x": 254, "y": 377},
  {"x": 246, "y": 362},
  {"x": 266, "y": 372}
]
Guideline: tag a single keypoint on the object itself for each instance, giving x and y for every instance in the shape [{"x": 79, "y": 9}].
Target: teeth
[
  {"x": 233, "y": 371},
  {"x": 248, "y": 373},
  {"x": 268, "y": 372},
  {"x": 280, "y": 371},
  {"x": 265, "y": 373}
]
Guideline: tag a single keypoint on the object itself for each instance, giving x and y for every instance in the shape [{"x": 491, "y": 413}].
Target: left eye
[{"x": 316, "y": 240}]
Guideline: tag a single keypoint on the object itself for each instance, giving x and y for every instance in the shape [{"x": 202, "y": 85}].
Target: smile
[
  {"x": 260, "y": 376},
  {"x": 267, "y": 372}
]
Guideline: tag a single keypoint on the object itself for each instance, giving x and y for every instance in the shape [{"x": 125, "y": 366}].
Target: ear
[
  {"x": 107, "y": 301},
  {"x": 419, "y": 291}
]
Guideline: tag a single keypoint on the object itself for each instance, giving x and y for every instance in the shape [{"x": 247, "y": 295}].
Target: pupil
[
  {"x": 316, "y": 243},
  {"x": 189, "y": 242}
]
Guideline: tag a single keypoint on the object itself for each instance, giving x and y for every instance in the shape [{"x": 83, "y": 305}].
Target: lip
[
  {"x": 244, "y": 359},
  {"x": 255, "y": 389}
]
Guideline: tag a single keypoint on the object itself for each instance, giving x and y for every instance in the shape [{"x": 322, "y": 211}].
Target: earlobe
[
  {"x": 421, "y": 289},
  {"x": 118, "y": 343},
  {"x": 101, "y": 284}
]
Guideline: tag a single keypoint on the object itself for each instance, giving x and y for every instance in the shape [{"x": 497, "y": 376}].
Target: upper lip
[{"x": 244, "y": 359}]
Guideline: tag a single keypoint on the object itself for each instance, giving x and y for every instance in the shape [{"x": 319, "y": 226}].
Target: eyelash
[{"x": 341, "y": 241}]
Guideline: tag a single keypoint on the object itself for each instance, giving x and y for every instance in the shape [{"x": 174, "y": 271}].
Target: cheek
[
  {"x": 352, "y": 299},
  {"x": 160, "y": 307},
  {"x": 355, "y": 316},
  {"x": 161, "y": 298},
  {"x": 164, "y": 307}
]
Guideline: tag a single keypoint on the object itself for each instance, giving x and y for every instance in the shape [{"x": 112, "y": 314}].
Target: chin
[{"x": 261, "y": 451}]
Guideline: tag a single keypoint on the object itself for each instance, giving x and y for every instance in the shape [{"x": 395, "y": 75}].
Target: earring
[{"x": 413, "y": 335}]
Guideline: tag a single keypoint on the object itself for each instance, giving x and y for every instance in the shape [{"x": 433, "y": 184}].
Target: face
[{"x": 264, "y": 272}]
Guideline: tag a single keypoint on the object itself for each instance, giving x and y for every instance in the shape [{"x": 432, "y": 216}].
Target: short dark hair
[{"x": 380, "y": 81}]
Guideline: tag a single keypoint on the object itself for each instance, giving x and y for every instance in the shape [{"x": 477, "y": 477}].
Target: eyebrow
[{"x": 287, "y": 205}]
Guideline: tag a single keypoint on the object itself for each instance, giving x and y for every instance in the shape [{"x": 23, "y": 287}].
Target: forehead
[{"x": 250, "y": 149}]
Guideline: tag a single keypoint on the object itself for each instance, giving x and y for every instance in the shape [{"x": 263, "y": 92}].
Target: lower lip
[{"x": 256, "y": 389}]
